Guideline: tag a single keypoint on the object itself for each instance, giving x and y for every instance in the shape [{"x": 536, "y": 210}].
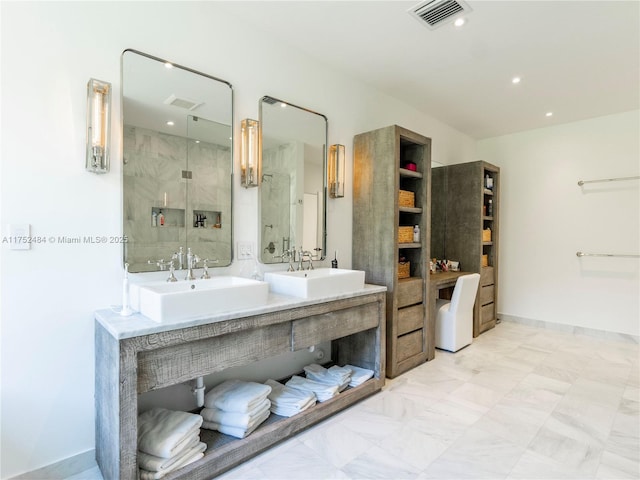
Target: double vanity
[
  {"x": 177, "y": 199},
  {"x": 138, "y": 354}
]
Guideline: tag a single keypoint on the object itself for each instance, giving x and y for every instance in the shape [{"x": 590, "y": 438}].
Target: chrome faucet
[
  {"x": 310, "y": 257},
  {"x": 179, "y": 255},
  {"x": 172, "y": 277},
  {"x": 305, "y": 253},
  {"x": 290, "y": 256},
  {"x": 205, "y": 266},
  {"x": 192, "y": 260}
]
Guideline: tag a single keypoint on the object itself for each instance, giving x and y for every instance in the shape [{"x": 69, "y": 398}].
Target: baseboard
[
  {"x": 591, "y": 332},
  {"x": 62, "y": 469}
]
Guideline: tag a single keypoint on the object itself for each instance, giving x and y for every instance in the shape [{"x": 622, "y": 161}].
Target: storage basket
[
  {"x": 486, "y": 235},
  {"x": 404, "y": 269},
  {"x": 405, "y": 234},
  {"x": 406, "y": 198},
  {"x": 485, "y": 260}
]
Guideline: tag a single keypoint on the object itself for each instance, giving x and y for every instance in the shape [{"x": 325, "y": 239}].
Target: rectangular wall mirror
[
  {"x": 178, "y": 164},
  {"x": 293, "y": 190}
]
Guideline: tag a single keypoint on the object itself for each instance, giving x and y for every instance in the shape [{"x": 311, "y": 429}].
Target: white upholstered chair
[{"x": 454, "y": 319}]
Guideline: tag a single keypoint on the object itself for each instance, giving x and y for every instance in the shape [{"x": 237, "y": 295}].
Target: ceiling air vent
[
  {"x": 182, "y": 102},
  {"x": 435, "y": 13}
]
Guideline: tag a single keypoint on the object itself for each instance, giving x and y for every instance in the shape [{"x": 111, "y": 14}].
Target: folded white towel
[
  {"x": 236, "y": 396},
  {"x": 322, "y": 391},
  {"x": 163, "y": 432},
  {"x": 339, "y": 378},
  {"x": 235, "y": 431},
  {"x": 287, "y": 401},
  {"x": 341, "y": 373},
  {"x": 196, "y": 453},
  {"x": 152, "y": 463},
  {"x": 234, "y": 419},
  {"x": 360, "y": 375},
  {"x": 291, "y": 411}
]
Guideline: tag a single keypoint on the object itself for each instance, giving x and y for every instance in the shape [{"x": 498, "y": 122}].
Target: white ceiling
[{"x": 578, "y": 59}]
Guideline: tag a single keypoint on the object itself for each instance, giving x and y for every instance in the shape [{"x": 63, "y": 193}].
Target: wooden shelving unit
[
  {"x": 380, "y": 158},
  {"x": 461, "y": 214}
]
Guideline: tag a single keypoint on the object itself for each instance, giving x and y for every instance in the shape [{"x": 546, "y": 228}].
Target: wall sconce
[
  {"x": 98, "y": 125},
  {"x": 336, "y": 171},
  {"x": 250, "y": 154}
]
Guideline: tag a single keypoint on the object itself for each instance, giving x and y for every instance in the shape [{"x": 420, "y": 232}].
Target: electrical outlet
[{"x": 245, "y": 250}]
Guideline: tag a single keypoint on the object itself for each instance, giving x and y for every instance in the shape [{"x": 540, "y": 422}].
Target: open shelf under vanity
[{"x": 146, "y": 358}]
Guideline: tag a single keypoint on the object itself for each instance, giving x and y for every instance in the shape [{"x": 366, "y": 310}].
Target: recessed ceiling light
[
  {"x": 168, "y": 65},
  {"x": 283, "y": 105},
  {"x": 197, "y": 141},
  {"x": 459, "y": 22},
  {"x": 170, "y": 123},
  {"x": 549, "y": 114},
  {"x": 515, "y": 80}
]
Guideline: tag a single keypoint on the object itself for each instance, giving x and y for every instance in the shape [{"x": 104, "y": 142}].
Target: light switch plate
[
  {"x": 245, "y": 250},
  {"x": 20, "y": 236}
]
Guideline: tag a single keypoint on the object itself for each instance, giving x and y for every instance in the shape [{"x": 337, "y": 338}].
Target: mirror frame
[
  {"x": 231, "y": 151},
  {"x": 323, "y": 253}
]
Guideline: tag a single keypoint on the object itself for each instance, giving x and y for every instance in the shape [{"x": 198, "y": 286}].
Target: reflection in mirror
[
  {"x": 293, "y": 188},
  {"x": 178, "y": 165}
]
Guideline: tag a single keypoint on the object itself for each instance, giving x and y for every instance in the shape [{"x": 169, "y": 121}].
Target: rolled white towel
[
  {"x": 235, "y": 431},
  {"x": 360, "y": 375},
  {"x": 287, "y": 401},
  {"x": 236, "y": 396},
  {"x": 234, "y": 419},
  {"x": 163, "y": 432},
  {"x": 322, "y": 391},
  {"x": 151, "y": 463},
  {"x": 195, "y": 453}
]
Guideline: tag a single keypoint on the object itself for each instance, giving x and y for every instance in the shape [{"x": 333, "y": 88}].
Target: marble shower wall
[
  {"x": 279, "y": 198},
  {"x": 153, "y": 181}
]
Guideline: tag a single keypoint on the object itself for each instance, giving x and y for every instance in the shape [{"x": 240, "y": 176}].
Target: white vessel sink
[
  {"x": 315, "y": 283},
  {"x": 171, "y": 301}
]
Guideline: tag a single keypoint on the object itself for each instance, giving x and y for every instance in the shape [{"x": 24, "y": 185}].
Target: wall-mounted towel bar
[
  {"x": 582, "y": 254},
  {"x": 582, "y": 182}
]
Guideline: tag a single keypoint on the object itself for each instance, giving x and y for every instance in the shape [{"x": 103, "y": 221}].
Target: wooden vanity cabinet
[
  {"x": 127, "y": 367},
  {"x": 390, "y": 162}
]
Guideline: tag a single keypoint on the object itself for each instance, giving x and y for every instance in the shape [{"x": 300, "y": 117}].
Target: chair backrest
[{"x": 464, "y": 293}]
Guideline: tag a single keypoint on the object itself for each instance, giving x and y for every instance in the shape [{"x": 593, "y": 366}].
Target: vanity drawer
[
  {"x": 409, "y": 345},
  {"x": 329, "y": 326},
  {"x": 183, "y": 362},
  {"x": 487, "y": 313},
  {"x": 409, "y": 291},
  {"x": 486, "y": 294},
  {"x": 486, "y": 276},
  {"x": 410, "y": 319}
]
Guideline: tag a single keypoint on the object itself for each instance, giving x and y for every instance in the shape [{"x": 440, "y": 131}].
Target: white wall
[
  {"x": 546, "y": 218},
  {"x": 49, "y": 52}
]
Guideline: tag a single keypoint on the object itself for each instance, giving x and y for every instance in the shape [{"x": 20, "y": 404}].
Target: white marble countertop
[{"x": 137, "y": 324}]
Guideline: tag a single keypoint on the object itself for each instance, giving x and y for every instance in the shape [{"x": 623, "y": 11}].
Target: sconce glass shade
[
  {"x": 98, "y": 125},
  {"x": 250, "y": 152},
  {"x": 336, "y": 171}
]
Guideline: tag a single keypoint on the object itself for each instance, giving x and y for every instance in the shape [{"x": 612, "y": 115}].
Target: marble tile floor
[{"x": 519, "y": 403}]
